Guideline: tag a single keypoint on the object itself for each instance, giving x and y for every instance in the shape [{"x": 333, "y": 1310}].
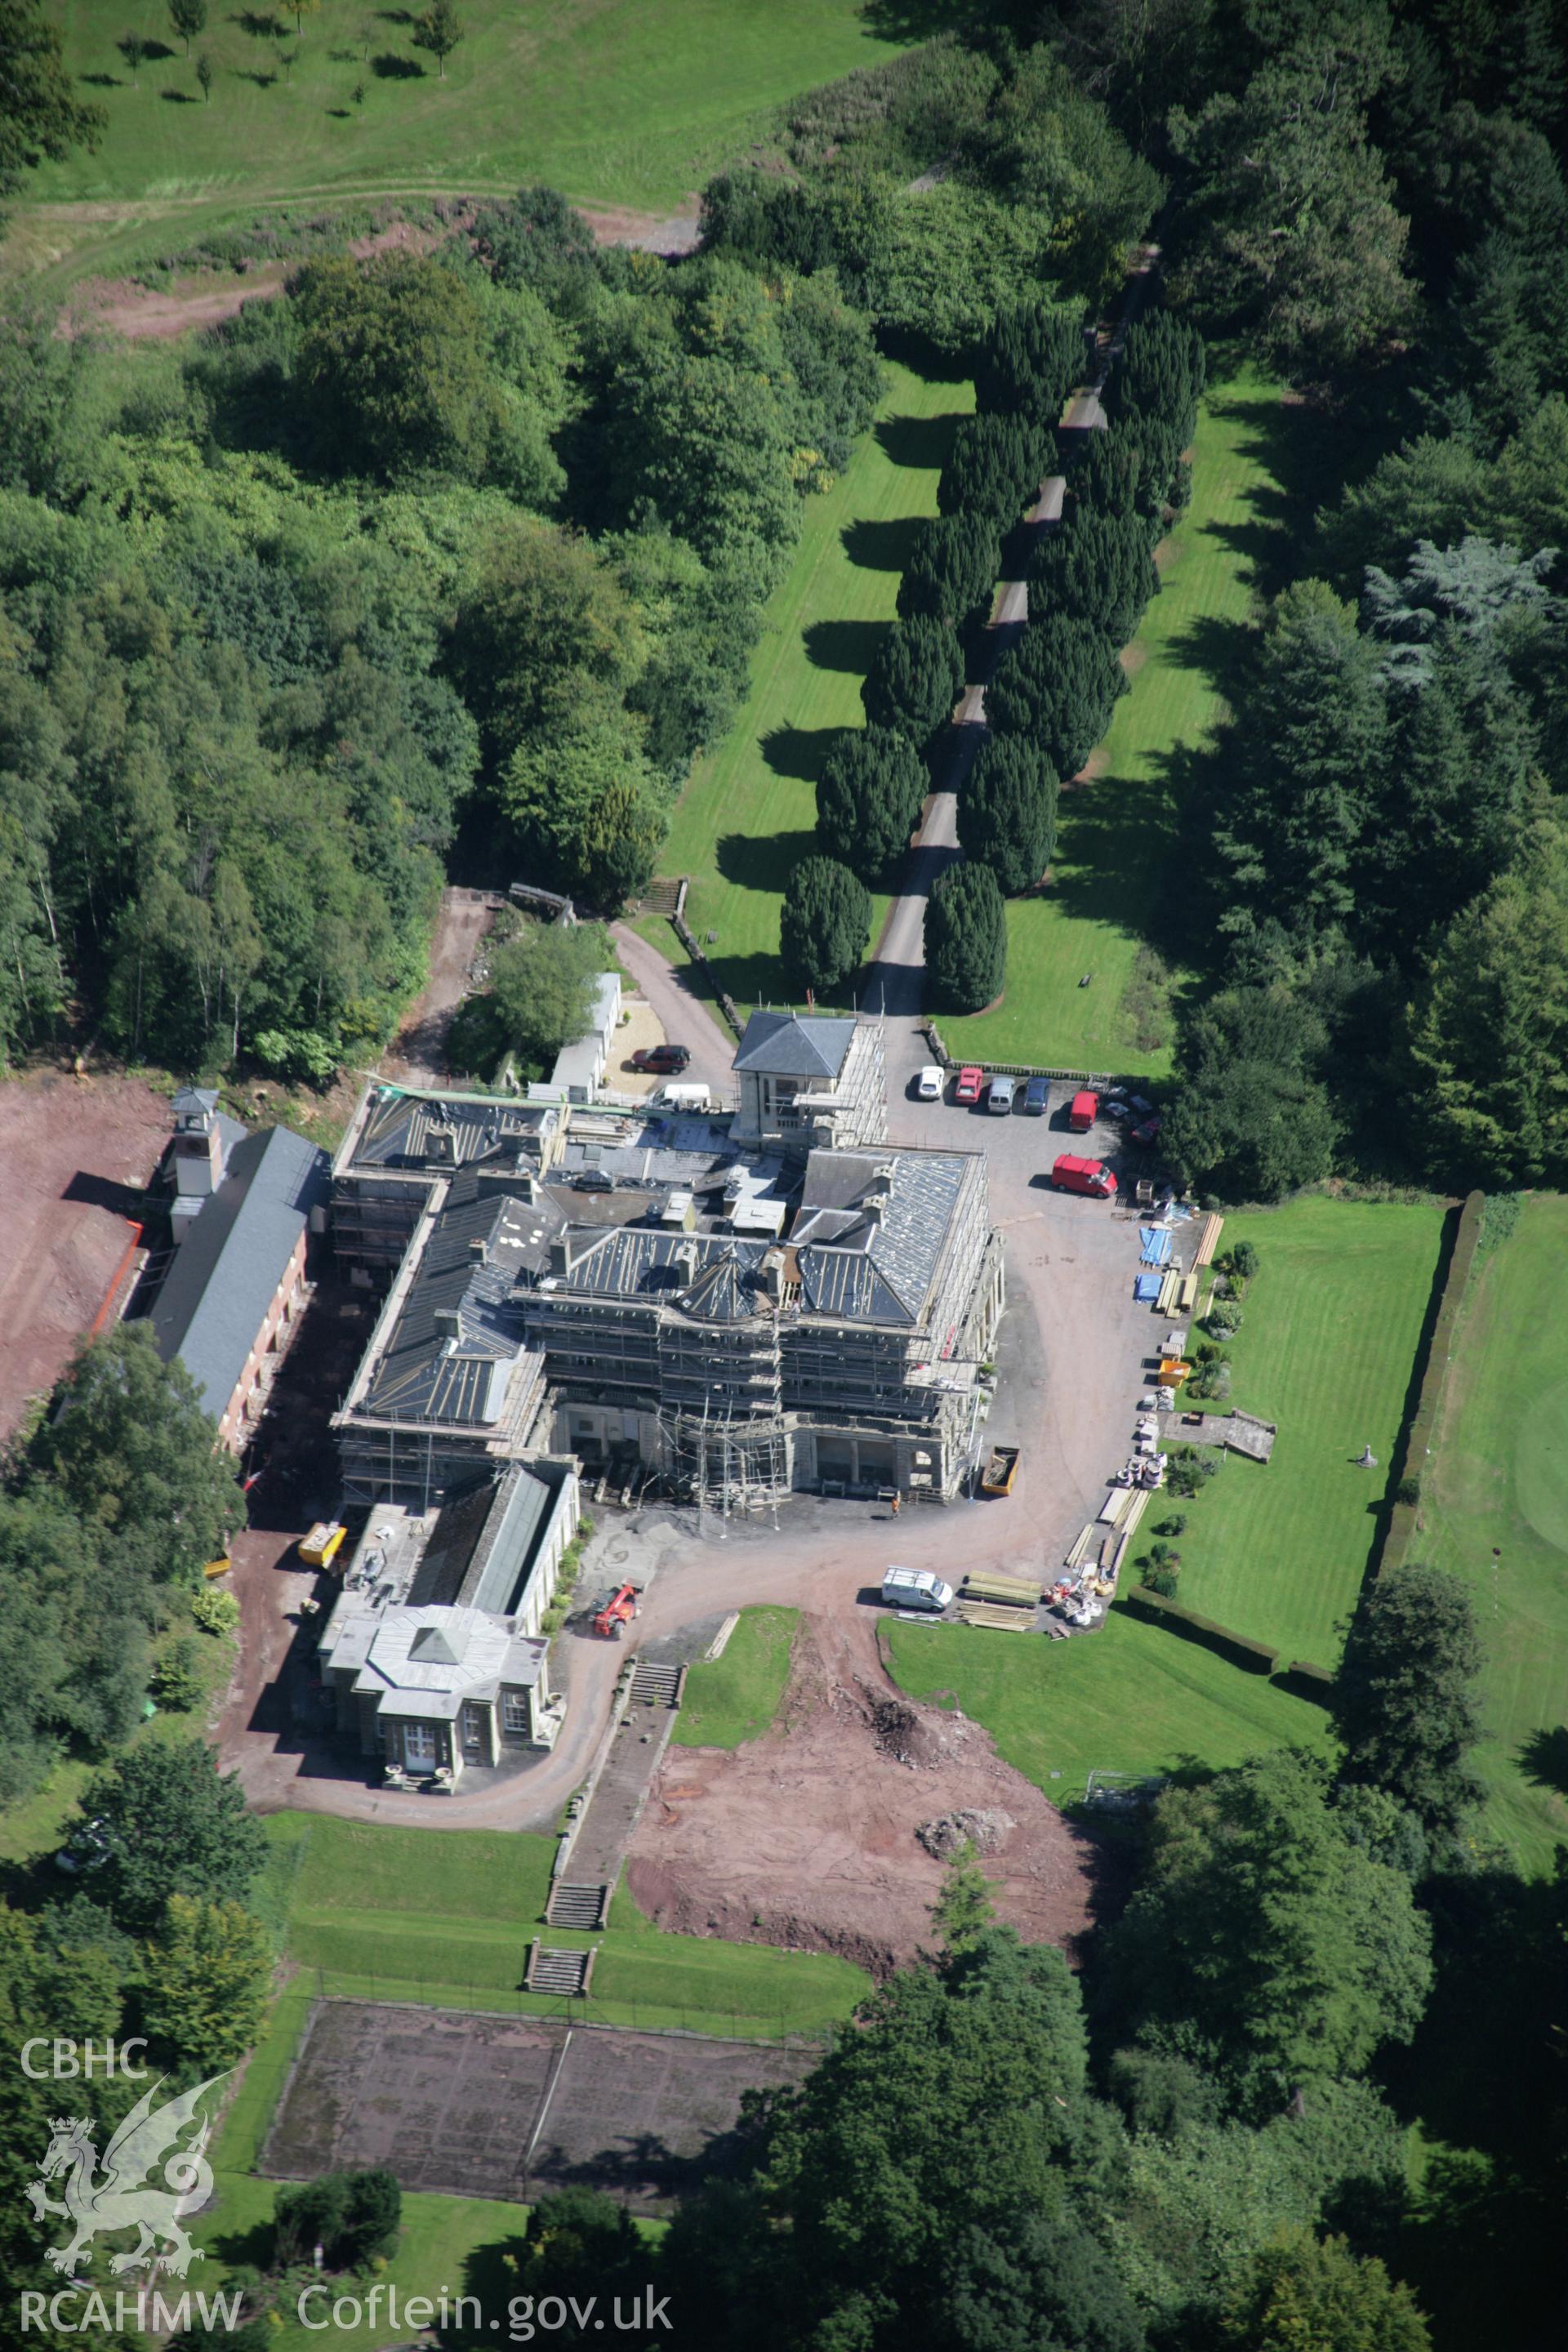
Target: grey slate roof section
[
  {"x": 221, "y": 1285},
  {"x": 646, "y": 1262},
  {"x": 401, "y": 1131},
  {"x": 481, "y": 1549},
  {"x": 854, "y": 1265},
  {"x": 422, "y": 1375},
  {"x": 874, "y": 1270},
  {"x": 795, "y": 1045}
]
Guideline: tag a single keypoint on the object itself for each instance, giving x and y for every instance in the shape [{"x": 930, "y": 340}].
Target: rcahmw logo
[
  {"x": 73, "y": 2311},
  {"x": 153, "y": 2174}
]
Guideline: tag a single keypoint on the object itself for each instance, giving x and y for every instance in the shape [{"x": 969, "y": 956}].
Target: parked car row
[{"x": 1002, "y": 1094}]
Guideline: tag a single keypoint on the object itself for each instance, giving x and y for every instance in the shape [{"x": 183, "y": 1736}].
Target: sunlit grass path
[
  {"x": 1116, "y": 847},
  {"x": 749, "y": 812}
]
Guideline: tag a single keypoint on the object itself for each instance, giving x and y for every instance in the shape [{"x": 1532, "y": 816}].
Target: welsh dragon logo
[{"x": 115, "y": 2199}]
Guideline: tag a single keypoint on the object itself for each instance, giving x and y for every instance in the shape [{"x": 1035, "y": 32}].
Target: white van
[
  {"x": 999, "y": 1096},
  {"x": 685, "y": 1095},
  {"x": 915, "y": 1588}
]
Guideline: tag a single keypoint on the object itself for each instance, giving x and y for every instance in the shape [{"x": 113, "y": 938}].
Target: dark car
[
  {"x": 667, "y": 1060},
  {"x": 1037, "y": 1095}
]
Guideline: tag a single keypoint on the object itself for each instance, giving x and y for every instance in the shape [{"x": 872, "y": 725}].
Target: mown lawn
[
  {"x": 1129, "y": 1698},
  {"x": 446, "y": 1919},
  {"x": 1327, "y": 1349},
  {"x": 748, "y": 814},
  {"x": 1116, "y": 865},
  {"x": 610, "y": 100},
  {"x": 1494, "y": 1509},
  {"x": 735, "y": 1697}
]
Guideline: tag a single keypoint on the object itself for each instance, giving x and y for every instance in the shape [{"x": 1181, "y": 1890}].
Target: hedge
[
  {"x": 1412, "y": 1460},
  {"x": 1304, "y": 1680},
  {"x": 1253, "y": 1657}
]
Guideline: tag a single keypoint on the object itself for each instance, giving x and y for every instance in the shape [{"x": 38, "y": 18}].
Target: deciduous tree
[
  {"x": 40, "y": 114},
  {"x": 1405, "y": 1698},
  {"x": 1260, "y": 1928},
  {"x": 172, "y": 1825},
  {"x": 439, "y": 31},
  {"x": 1308, "y": 2294},
  {"x": 188, "y": 17},
  {"x": 206, "y": 1975}
]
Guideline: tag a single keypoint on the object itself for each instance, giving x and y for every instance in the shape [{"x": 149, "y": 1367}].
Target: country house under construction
[{"x": 662, "y": 1297}]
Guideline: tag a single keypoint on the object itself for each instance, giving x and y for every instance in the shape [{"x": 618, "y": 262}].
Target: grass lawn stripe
[
  {"x": 1495, "y": 1477},
  {"x": 735, "y": 1697},
  {"x": 1116, "y": 841},
  {"x": 1332, "y": 1322},
  {"x": 1129, "y": 1698},
  {"x": 748, "y": 813}
]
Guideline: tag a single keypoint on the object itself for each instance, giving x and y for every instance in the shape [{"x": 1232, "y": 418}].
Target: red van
[
  {"x": 1082, "y": 1112},
  {"x": 1090, "y": 1176}
]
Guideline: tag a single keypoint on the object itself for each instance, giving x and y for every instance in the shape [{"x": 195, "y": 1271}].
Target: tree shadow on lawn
[
  {"x": 848, "y": 646},
  {"x": 389, "y": 67},
  {"x": 799, "y": 750},
  {"x": 1544, "y": 1759},
  {"x": 183, "y": 97},
  {"x": 919, "y": 442},
  {"x": 762, "y": 862},
  {"x": 881, "y": 546}
]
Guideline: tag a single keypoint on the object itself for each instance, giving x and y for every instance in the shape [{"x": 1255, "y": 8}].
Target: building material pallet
[
  {"x": 1208, "y": 1239},
  {"x": 1001, "y": 1620},
  {"x": 1009, "y": 1590}
]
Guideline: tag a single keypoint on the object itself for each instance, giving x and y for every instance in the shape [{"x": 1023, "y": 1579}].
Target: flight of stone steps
[
  {"x": 583, "y": 1907},
  {"x": 552, "y": 1970},
  {"x": 656, "y": 1685}
]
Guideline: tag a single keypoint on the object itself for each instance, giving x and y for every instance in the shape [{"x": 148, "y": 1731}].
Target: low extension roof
[
  {"x": 795, "y": 1045},
  {"x": 226, "y": 1272}
]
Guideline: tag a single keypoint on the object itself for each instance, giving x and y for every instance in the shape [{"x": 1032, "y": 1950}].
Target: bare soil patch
[
  {"x": 417, "y": 1052},
  {"x": 75, "y": 1153},
  {"x": 121, "y": 306},
  {"x": 496, "y": 2106},
  {"x": 818, "y": 1835}
]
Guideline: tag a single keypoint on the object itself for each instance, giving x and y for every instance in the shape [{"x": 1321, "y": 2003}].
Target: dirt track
[
  {"x": 806, "y": 1837},
  {"x": 75, "y": 1154},
  {"x": 417, "y": 1052}
]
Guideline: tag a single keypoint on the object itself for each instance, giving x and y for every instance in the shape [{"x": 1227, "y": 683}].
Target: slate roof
[
  {"x": 481, "y": 1549},
  {"x": 428, "y": 1374},
  {"x": 874, "y": 1269},
  {"x": 220, "y": 1287},
  {"x": 854, "y": 1265},
  {"x": 401, "y": 1129},
  {"x": 795, "y": 1045}
]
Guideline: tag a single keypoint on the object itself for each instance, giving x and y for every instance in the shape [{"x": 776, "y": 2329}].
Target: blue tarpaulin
[
  {"x": 1157, "y": 1243},
  {"x": 1146, "y": 1286}
]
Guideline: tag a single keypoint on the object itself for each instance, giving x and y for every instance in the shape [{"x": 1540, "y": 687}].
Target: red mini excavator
[{"x": 617, "y": 1612}]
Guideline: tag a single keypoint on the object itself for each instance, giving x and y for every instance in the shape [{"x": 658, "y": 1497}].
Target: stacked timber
[
  {"x": 1208, "y": 1239},
  {"x": 1079, "y": 1551},
  {"x": 1000, "y": 1591},
  {"x": 1001, "y": 1620}
]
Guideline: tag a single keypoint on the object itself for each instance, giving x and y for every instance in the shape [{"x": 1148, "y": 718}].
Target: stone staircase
[
  {"x": 662, "y": 896},
  {"x": 656, "y": 1686},
  {"x": 581, "y": 1908},
  {"x": 552, "y": 1970}
]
